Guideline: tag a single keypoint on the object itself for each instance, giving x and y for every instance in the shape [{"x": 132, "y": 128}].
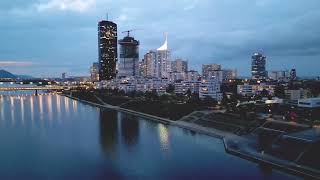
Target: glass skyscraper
[
  {"x": 107, "y": 44},
  {"x": 258, "y": 68},
  {"x": 129, "y": 57}
]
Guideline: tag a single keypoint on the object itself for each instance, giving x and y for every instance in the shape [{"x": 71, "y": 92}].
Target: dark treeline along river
[{"x": 54, "y": 137}]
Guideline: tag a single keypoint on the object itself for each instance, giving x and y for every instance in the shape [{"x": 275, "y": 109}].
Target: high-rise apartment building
[
  {"x": 229, "y": 74},
  {"x": 293, "y": 74},
  {"x": 150, "y": 64},
  {"x": 258, "y": 68},
  {"x": 193, "y": 75},
  {"x": 207, "y": 68},
  {"x": 163, "y": 61},
  {"x": 94, "y": 71},
  {"x": 179, "y": 65}
]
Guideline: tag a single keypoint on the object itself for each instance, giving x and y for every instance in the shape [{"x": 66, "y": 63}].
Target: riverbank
[
  {"x": 168, "y": 106},
  {"x": 235, "y": 145},
  {"x": 185, "y": 125}
]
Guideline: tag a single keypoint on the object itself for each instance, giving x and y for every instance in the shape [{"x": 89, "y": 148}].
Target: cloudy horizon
[{"x": 44, "y": 38}]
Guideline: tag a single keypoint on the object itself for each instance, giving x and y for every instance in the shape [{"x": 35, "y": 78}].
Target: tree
[
  {"x": 164, "y": 97},
  {"x": 132, "y": 93},
  {"x": 279, "y": 91},
  {"x": 189, "y": 93},
  {"x": 264, "y": 93},
  {"x": 225, "y": 99},
  {"x": 121, "y": 92},
  {"x": 194, "y": 99},
  {"x": 209, "y": 101},
  {"x": 170, "y": 88},
  {"x": 152, "y": 95}
]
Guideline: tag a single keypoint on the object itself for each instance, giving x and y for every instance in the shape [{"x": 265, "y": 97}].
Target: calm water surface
[{"x": 53, "y": 137}]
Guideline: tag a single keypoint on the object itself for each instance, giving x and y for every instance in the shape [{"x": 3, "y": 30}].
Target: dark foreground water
[{"x": 53, "y": 137}]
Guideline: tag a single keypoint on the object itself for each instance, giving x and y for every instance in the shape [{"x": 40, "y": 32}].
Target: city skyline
[{"x": 60, "y": 35}]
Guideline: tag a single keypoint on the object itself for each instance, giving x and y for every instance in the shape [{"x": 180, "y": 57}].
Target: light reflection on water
[
  {"x": 53, "y": 137},
  {"x": 164, "y": 136}
]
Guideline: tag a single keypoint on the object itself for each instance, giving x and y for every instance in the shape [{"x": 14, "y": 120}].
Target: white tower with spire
[
  {"x": 163, "y": 60},
  {"x": 164, "y": 47}
]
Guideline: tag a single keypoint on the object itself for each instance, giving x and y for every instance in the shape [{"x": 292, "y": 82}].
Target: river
[{"x": 54, "y": 137}]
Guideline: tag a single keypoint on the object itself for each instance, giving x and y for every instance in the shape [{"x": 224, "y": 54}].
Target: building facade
[
  {"x": 193, "y": 75},
  {"x": 216, "y": 75},
  {"x": 163, "y": 61},
  {"x": 229, "y": 74},
  {"x": 256, "y": 89},
  {"x": 258, "y": 67},
  {"x": 129, "y": 57},
  {"x": 179, "y": 65},
  {"x": 94, "y": 71},
  {"x": 309, "y": 102},
  {"x": 150, "y": 64},
  {"x": 107, "y": 50},
  {"x": 183, "y": 87},
  {"x": 279, "y": 75},
  {"x": 293, "y": 74},
  {"x": 210, "y": 88},
  {"x": 207, "y": 68},
  {"x": 177, "y": 76},
  {"x": 293, "y": 95}
]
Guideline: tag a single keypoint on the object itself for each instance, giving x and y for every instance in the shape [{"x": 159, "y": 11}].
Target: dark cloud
[{"x": 63, "y": 33}]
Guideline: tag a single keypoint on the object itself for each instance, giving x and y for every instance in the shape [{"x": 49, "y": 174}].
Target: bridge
[{"x": 32, "y": 88}]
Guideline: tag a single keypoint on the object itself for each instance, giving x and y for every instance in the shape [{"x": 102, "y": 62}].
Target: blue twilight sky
[{"x": 47, "y": 37}]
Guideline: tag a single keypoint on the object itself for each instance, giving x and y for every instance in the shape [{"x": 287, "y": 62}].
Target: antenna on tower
[{"x": 107, "y": 16}]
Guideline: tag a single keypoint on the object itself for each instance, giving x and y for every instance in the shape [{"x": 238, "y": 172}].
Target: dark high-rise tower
[
  {"x": 107, "y": 44},
  {"x": 258, "y": 69},
  {"x": 293, "y": 74},
  {"x": 129, "y": 57}
]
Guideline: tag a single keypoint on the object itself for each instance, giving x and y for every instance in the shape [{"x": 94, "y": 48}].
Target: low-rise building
[
  {"x": 255, "y": 89},
  {"x": 309, "y": 102},
  {"x": 142, "y": 84},
  {"x": 210, "y": 88},
  {"x": 183, "y": 87},
  {"x": 293, "y": 95},
  {"x": 176, "y": 76}
]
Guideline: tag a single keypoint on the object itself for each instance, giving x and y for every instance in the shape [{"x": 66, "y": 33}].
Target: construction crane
[{"x": 128, "y": 31}]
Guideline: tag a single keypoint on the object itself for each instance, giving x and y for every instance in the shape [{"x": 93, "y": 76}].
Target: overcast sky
[{"x": 47, "y": 37}]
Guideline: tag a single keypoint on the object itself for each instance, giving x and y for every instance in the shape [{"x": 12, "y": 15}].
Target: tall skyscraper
[
  {"x": 129, "y": 57},
  {"x": 258, "y": 69},
  {"x": 207, "y": 68},
  {"x": 63, "y": 75},
  {"x": 293, "y": 74},
  {"x": 163, "y": 61},
  {"x": 107, "y": 47}
]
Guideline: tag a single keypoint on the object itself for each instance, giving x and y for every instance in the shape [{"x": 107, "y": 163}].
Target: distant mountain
[{"x": 6, "y": 74}]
